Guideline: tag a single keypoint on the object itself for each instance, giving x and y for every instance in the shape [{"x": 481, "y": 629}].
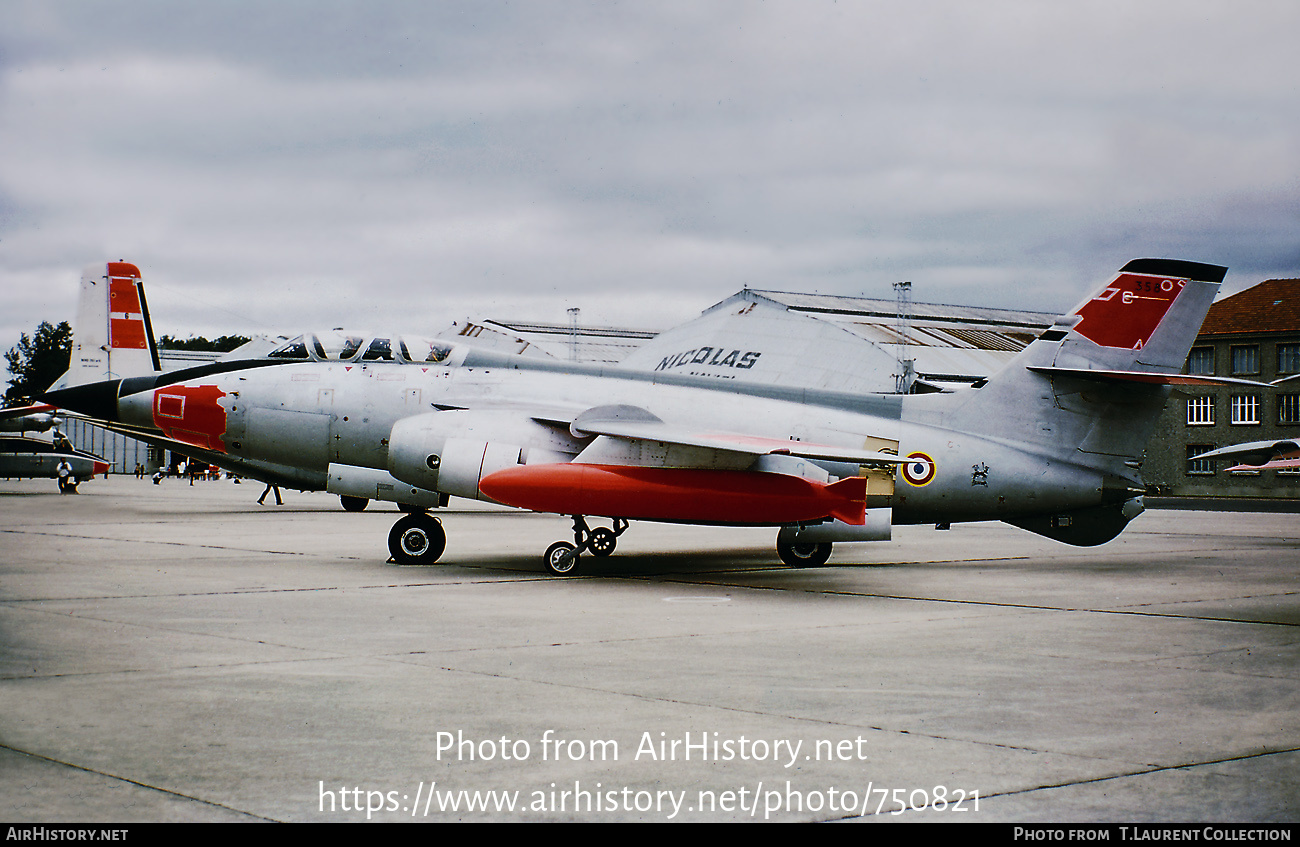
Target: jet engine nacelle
[{"x": 451, "y": 451}]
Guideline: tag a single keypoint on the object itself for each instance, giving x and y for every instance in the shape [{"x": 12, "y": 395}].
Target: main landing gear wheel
[
  {"x": 804, "y": 555},
  {"x": 562, "y": 558},
  {"x": 602, "y": 541},
  {"x": 417, "y": 540},
  {"x": 353, "y": 504}
]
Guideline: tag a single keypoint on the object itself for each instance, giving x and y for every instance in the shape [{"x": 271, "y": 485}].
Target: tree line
[{"x": 36, "y": 361}]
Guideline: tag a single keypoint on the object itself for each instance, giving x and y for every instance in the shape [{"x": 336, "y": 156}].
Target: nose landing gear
[{"x": 562, "y": 557}]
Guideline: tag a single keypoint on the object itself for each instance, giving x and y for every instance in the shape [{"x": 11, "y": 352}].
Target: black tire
[
  {"x": 353, "y": 504},
  {"x": 561, "y": 559},
  {"x": 602, "y": 541},
  {"x": 417, "y": 540},
  {"x": 807, "y": 555}
]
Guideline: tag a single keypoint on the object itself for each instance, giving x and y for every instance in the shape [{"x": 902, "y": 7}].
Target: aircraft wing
[
  {"x": 35, "y": 418},
  {"x": 637, "y": 424},
  {"x": 1259, "y": 455},
  {"x": 638, "y": 466}
]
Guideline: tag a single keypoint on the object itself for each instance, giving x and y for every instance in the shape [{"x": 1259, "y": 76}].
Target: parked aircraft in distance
[
  {"x": 25, "y": 457},
  {"x": 1259, "y": 455},
  {"x": 1052, "y": 443}
]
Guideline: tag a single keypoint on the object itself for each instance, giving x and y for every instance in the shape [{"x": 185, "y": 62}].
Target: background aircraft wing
[
  {"x": 755, "y": 340},
  {"x": 34, "y": 418},
  {"x": 1259, "y": 454}
]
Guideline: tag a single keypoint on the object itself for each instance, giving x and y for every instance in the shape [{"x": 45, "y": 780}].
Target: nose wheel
[{"x": 562, "y": 557}]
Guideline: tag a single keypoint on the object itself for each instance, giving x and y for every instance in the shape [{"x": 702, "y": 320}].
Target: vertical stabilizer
[
  {"x": 1145, "y": 320},
  {"x": 112, "y": 337},
  {"x": 1095, "y": 382},
  {"x": 1079, "y": 403}
]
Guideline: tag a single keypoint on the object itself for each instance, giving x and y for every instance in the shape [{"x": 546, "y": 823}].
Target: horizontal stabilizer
[{"x": 1145, "y": 377}]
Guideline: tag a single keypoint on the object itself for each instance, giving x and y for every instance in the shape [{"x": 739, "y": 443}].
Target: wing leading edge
[{"x": 637, "y": 424}]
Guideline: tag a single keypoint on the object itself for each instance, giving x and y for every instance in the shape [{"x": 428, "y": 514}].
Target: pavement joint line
[
  {"x": 101, "y": 538},
  {"x": 1121, "y": 611},
  {"x": 179, "y": 668},
  {"x": 1137, "y": 611},
  {"x": 1151, "y": 769},
  {"x": 135, "y": 782},
  {"x": 1026, "y": 606}
]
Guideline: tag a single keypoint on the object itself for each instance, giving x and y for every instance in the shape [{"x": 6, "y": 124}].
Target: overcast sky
[{"x": 290, "y": 165}]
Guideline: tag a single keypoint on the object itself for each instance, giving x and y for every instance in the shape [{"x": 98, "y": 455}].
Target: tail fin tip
[{"x": 1177, "y": 268}]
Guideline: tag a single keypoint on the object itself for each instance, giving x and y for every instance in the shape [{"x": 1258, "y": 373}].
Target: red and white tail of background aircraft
[
  {"x": 1053, "y": 443},
  {"x": 111, "y": 317}
]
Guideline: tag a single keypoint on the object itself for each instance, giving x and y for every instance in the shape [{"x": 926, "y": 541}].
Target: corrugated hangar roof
[
  {"x": 948, "y": 343},
  {"x": 957, "y": 344},
  {"x": 875, "y": 310}
]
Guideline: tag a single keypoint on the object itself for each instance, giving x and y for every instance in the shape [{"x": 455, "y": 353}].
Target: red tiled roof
[{"x": 1271, "y": 306}]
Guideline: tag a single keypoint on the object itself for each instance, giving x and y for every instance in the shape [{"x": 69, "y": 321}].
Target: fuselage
[{"x": 294, "y": 419}]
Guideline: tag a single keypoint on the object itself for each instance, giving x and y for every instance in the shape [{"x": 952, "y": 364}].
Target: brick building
[{"x": 1252, "y": 335}]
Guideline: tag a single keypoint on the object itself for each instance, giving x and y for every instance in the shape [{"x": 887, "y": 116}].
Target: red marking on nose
[{"x": 191, "y": 414}]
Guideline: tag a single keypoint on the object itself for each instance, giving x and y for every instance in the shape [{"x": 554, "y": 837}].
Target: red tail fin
[{"x": 1127, "y": 312}]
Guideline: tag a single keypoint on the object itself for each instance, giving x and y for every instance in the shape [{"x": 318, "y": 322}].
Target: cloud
[{"x": 295, "y": 164}]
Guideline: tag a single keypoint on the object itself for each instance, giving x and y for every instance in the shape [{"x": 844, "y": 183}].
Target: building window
[
  {"x": 1288, "y": 358},
  {"x": 1200, "y": 411},
  {"x": 1245, "y": 408},
  {"x": 1288, "y": 408},
  {"x": 1201, "y": 361},
  {"x": 1245, "y": 359},
  {"x": 1199, "y": 467}
]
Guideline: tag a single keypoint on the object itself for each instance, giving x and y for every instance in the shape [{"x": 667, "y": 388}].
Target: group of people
[
  {"x": 194, "y": 469},
  {"x": 68, "y": 481}
]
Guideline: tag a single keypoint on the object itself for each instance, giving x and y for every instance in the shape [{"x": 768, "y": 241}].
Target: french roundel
[{"x": 919, "y": 469}]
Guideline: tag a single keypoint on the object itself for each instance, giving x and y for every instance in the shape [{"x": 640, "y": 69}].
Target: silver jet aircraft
[{"x": 1052, "y": 443}]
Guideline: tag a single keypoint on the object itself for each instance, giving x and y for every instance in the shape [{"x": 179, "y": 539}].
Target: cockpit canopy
[{"x": 342, "y": 346}]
